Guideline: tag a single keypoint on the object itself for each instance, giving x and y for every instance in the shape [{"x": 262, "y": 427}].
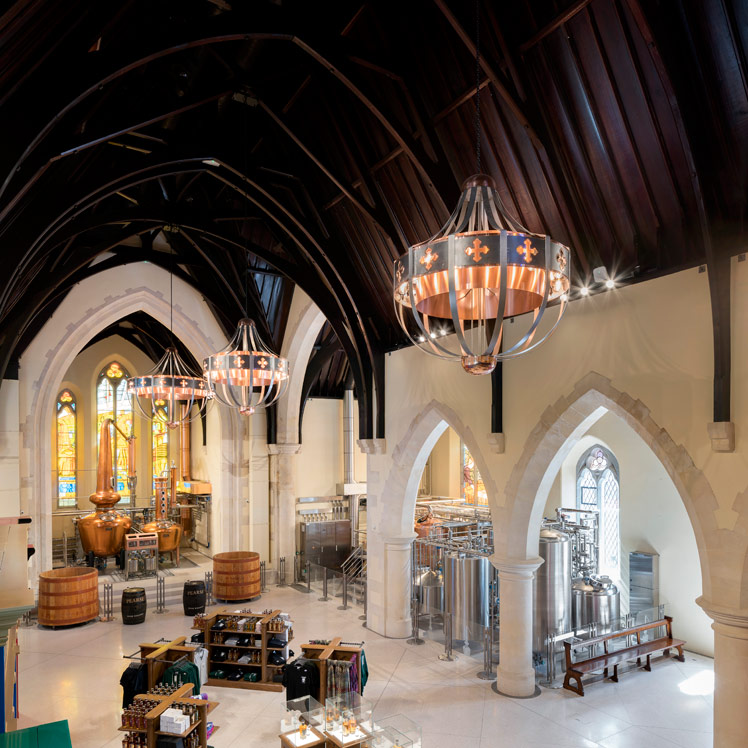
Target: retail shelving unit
[
  {"x": 335, "y": 650},
  {"x": 181, "y": 695},
  {"x": 261, "y": 634}
]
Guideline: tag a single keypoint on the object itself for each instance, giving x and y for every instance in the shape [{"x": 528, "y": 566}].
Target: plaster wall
[
  {"x": 446, "y": 470},
  {"x": 10, "y": 437},
  {"x": 319, "y": 464}
]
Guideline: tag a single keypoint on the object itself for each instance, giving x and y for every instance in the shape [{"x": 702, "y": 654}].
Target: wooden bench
[{"x": 575, "y": 670}]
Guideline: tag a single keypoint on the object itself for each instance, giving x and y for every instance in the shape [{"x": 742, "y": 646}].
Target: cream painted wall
[
  {"x": 653, "y": 519},
  {"x": 319, "y": 465},
  {"x": 446, "y": 466}
]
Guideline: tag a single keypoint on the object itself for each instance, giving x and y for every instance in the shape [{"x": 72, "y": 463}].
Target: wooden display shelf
[
  {"x": 256, "y": 686},
  {"x": 183, "y": 696},
  {"x": 261, "y": 637},
  {"x": 335, "y": 650}
]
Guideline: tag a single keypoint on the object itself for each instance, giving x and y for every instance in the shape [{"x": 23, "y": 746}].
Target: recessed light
[
  {"x": 584, "y": 291},
  {"x": 610, "y": 283}
]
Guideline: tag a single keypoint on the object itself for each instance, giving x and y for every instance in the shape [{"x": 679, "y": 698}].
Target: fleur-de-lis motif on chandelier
[
  {"x": 429, "y": 258},
  {"x": 476, "y": 250},
  {"x": 262, "y": 363},
  {"x": 527, "y": 250},
  {"x": 561, "y": 259}
]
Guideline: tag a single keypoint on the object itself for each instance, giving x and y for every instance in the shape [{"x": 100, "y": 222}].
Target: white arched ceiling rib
[{"x": 305, "y": 321}]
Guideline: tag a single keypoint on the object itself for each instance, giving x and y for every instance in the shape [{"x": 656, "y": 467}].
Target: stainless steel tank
[
  {"x": 596, "y": 600},
  {"x": 552, "y": 587},
  {"x": 431, "y": 592},
  {"x": 466, "y": 580}
]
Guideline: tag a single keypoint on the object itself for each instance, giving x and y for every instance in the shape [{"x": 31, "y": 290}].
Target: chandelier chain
[{"x": 477, "y": 89}]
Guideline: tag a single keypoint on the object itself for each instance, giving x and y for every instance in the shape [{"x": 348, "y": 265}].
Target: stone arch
[
  {"x": 551, "y": 441},
  {"x": 305, "y": 322},
  {"x": 409, "y": 459},
  {"x": 92, "y": 306}
]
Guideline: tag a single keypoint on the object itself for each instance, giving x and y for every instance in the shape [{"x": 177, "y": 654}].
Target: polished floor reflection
[{"x": 74, "y": 674}]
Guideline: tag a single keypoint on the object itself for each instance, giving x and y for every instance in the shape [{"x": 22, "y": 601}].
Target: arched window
[
  {"x": 67, "y": 449},
  {"x": 112, "y": 401},
  {"x": 598, "y": 488},
  {"x": 473, "y": 488},
  {"x": 160, "y": 439}
]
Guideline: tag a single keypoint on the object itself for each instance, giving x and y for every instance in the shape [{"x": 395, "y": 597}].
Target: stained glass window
[
  {"x": 67, "y": 443},
  {"x": 598, "y": 488},
  {"x": 160, "y": 439},
  {"x": 473, "y": 489},
  {"x": 113, "y": 401}
]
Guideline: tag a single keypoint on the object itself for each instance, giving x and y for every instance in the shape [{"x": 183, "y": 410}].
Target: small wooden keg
[
  {"x": 133, "y": 605},
  {"x": 68, "y": 596},
  {"x": 236, "y": 575},
  {"x": 193, "y": 598}
]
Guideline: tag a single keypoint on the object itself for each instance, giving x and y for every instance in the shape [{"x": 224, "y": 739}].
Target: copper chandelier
[{"x": 479, "y": 269}]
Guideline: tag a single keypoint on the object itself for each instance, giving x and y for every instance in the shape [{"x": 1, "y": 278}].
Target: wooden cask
[
  {"x": 236, "y": 575},
  {"x": 68, "y": 596},
  {"x": 134, "y": 605}
]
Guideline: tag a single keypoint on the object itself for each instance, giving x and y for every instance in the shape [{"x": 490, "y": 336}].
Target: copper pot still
[
  {"x": 169, "y": 533},
  {"x": 103, "y": 531}
]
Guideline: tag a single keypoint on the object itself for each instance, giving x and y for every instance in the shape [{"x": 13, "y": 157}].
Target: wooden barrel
[
  {"x": 68, "y": 596},
  {"x": 133, "y": 605},
  {"x": 236, "y": 575},
  {"x": 193, "y": 598}
]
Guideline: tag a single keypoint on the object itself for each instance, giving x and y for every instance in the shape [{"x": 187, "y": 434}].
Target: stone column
[
  {"x": 515, "y": 675},
  {"x": 282, "y": 471},
  {"x": 730, "y": 674}
]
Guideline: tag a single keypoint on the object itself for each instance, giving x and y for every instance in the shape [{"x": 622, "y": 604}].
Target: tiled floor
[{"x": 74, "y": 674}]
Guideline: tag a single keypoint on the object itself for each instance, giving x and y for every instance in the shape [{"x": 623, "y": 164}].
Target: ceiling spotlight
[
  {"x": 584, "y": 291},
  {"x": 610, "y": 283},
  {"x": 421, "y": 339},
  {"x": 443, "y": 332},
  {"x": 433, "y": 334}
]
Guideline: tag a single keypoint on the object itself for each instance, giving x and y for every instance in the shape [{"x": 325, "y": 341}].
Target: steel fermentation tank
[
  {"x": 596, "y": 600},
  {"x": 466, "y": 580},
  {"x": 552, "y": 587}
]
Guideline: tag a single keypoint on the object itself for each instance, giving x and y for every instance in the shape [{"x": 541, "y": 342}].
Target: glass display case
[
  {"x": 301, "y": 712},
  {"x": 412, "y": 730},
  {"x": 348, "y": 718},
  {"x": 387, "y": 737}
]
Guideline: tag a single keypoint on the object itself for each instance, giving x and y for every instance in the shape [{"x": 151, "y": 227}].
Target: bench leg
[
  {"x": 638, "y": 662},
  {"x": 648, "y": 666},
  {"x": 681, "y": 656},
  {"x": 578, "y": 689},
  {"x": 666, "y": 652},
  {"x": 615, "y": 674}
]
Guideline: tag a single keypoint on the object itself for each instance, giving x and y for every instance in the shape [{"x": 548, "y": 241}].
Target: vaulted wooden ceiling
[{"x": 254, "y": 146}]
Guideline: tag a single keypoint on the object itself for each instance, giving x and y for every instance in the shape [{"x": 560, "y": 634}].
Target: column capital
[
  {"x": 373, "y": 446},
  {"x": 284, "y": 449},
  {"x": 516, "y": 568},
  {"x": 401, "y": 540},
  {"x": 728, "y": 621}
]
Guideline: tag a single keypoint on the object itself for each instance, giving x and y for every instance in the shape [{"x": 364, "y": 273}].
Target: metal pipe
[
  {"x": 344, "y": 606},
  {"x": 324, "y": 597},
  {"x": 263, "y": 576},
  {"x": 446, "y": 656},
  {"x": 185, "y": 450},
  {"x": 348, "y": 438}
]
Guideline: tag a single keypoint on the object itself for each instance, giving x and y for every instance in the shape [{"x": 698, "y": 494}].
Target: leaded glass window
[
  {"x": 113, "y": 401},
  {"x": 67, "y": 449},
  {"x": 598, "y": 488},
  {"x": 473, "y": 488}
]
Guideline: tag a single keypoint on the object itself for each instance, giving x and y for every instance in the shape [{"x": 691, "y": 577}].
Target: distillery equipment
[
  {"x": 103, "y": 531},
  {"x": 169, "y": 533},
  {"x": 430, "y": 586},
  {"x": 597, "y": 600},
  {"x": 552, "y": 587},
  {"x": 466, "y": 593}
]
